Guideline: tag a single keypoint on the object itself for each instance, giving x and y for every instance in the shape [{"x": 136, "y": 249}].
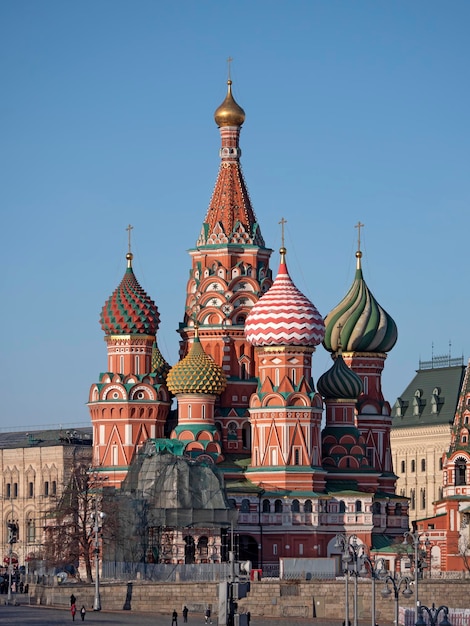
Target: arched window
[
  {"x": 441, "y": 463},
  {"x": 423, "y": 465},
  {"x": 412, "y": 499},
  {"x": 308, "y": 506},
  {"x": 403, "y": 467},
  {"x": 413, "y": 466},
  {"x": 245, "y": 507},
  {"x": 266, "y": 506},
  {"x": 278, "y": 506},
  {"x": 376, "y": 508},
  {"x": 296, "y": 457},
  {"x": 342, "y": 506},
  {"x": 358, "y": 506},
  {"x": 398, "y": 508},
  {"x": 202, "y": 547},
  {"x": 460, "y": 472},
  {"x": 295, "y": 506},
  {"x": 423, "y": 498}
]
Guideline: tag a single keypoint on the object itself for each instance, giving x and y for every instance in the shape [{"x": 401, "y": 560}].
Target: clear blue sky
[{"x": 354, "y": 111}]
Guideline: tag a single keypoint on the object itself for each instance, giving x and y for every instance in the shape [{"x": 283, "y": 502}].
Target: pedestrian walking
[
  {"x": 174, "y": 618},
  {"x": 185, "y": 614},
  {"x": 207, "y": 616},
  {"x": 82, "y": 612},
  {"x": 73, "y": 610},
  {"x": 73, "y": 599},
  {"x": 248, "y": 618}
]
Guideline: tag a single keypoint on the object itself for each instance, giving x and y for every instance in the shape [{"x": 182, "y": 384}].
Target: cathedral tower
[
  {"x": 366, "y": 332},
  {"x": 230, "y": 270},
  {"x": 285, "y": 412},
  {"x": 130, "y": 403}
]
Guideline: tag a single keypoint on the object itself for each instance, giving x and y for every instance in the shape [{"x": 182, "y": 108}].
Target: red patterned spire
[
  {"x": 284, "y": 316},
  {"x": 230, "y": 217},
  {"x": 129, "y": 310}
]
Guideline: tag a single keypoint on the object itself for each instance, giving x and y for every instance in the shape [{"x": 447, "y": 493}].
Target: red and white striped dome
[{"x": 284, "y": 316}]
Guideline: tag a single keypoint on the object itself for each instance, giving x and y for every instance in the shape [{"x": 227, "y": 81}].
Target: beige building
[
  {"x": 421, "y": 428},
  {"x": 35, "y": 469}
]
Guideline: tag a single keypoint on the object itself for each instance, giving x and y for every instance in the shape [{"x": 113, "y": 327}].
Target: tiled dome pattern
[
  {"x": 358, "y": 323},
  {"x": 196, "y": 373},
  {"x": 340, "y": 381},
  {"x": 159, "y": 365},
  {"x": 129, "y": 310},
  {"x": 284, "y": 316}
]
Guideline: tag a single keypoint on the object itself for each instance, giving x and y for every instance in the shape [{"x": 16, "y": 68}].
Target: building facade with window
[
  {"x": 448, "y": 528},
  {"x": 35, "y": 469},
  {"x": 421, "y": 432}
]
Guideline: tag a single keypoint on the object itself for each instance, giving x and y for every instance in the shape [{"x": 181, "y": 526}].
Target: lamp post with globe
[{"x": 397, "y": 582}]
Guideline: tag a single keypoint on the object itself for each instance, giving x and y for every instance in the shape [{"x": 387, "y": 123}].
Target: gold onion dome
[
  {"x": 229, "y": 112},
  {"x": 196, "y": 373}
]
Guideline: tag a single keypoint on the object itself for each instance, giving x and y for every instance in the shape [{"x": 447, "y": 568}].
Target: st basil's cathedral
[{"x": 298, "y": 462}]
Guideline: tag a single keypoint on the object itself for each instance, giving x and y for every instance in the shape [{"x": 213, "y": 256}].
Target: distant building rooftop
[
  {"x": 432, "y": 396},
  {"x": 46, "y": 437}
]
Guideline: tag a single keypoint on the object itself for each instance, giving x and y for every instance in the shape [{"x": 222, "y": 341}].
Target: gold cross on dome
[
  {"x": 359, "y": 226},
  {"x": 282, "y": 222},
  {"x": 129, "y": 229},
  {"x": 229, "y": 61}
]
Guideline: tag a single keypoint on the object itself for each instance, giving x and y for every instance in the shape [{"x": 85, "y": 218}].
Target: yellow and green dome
[{"x": 196, "y": 373}]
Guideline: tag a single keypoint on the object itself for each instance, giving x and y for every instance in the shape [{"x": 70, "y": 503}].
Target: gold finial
[
  {"x": 129, "y": 255},
  {"x": 359, "y": 225},
  {"x": 196, "y": 331},
  {"x": 229, "y": 62},
  {"x": 283, "y": 250}
]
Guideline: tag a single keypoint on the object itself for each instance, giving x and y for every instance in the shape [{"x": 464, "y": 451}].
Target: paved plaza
[{"x": 25, "y": 615}]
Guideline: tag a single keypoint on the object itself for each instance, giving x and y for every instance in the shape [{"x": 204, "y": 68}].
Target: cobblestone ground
[{"x": 45, "y": 616}]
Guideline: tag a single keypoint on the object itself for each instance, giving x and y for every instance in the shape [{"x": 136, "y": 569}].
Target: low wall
[{"x": 307, "y": 599}]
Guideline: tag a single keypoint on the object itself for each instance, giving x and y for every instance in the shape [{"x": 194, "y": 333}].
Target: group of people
[
  {"x": 73, "y": 608},
  {"x": 174, "y": 616}
]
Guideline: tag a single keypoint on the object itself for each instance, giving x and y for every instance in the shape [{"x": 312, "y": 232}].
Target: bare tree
[{"x": 69, "y": 528}]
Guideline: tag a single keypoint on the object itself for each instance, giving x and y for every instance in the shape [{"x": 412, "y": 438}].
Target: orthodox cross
[
  {"x": 359, "y": 226},
  {"x": 282, "y": 222},
  {"x": 129, "y": 228},
  {"x": 229, "y": 61}
]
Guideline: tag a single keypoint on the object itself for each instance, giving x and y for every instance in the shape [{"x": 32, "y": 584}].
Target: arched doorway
[{"x": 248, "y": 550}]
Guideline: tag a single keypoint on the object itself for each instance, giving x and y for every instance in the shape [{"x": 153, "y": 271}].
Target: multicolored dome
[
  {"x": 283, "y": 316},
  {"x": 229, "y": 113},
  {"x": 129, "y": 310},
  {"x": 340, "y": 381},
  {"x": 359, "y": 323},
  {"x": 196, "y": 373},
  {"x": 159, "y": 365}
]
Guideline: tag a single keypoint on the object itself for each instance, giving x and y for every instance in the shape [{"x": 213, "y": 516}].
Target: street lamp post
[
  {"x": 97, "y": 517},
  {"x": 433, "y": 614},
  {"x": 397, "y": 583},
  {"x": 377, "y": 570},
  {"x": 352, "y": 551},
  {"x": 416, "y": 542}
]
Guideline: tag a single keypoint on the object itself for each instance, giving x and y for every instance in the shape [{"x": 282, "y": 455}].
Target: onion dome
[
  {"x": 196, "y": 373},
  {"x": 229, "y": 113},
  {"x": 340, "y": 381},
  {"x": 358, "y": 322},
  {"x": 283, "y": 316},
  {"x": 159, "y": 365},
  {"x": 129, "y": 310}
]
